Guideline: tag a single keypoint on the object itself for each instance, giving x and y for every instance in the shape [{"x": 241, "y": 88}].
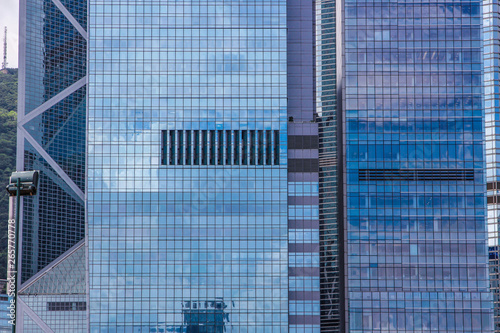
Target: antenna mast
[{"x": 4, "y": 63}]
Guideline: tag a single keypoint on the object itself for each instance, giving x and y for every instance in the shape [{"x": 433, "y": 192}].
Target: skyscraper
[
  {"x": 327, "y": 106},
  {"x": 414, "y": 169},
  {"x": 51, "y": 138},
  {"x": 253, "y": 166},
  {"x": 52, "y": 106},
  {"x": 198, "y": 215},
  {"x": 491, "y": 92},
  {"x": 187, "y": 165}
]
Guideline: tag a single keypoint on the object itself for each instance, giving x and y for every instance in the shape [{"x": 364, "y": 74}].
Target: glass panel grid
[
  {"x": 199, "y": 246},
  {"x": 416, "y": 248}
]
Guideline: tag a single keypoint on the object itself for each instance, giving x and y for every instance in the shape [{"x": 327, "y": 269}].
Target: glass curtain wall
[
  {"x": 416, "y": 218},
  {"x": 187, "y": 166}
]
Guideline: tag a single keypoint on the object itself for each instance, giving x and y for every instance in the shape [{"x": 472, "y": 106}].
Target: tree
[{"x": 8, "y": 125}]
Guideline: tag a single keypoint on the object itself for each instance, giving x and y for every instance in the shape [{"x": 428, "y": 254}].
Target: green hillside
[{"x": 8, "y": 116}]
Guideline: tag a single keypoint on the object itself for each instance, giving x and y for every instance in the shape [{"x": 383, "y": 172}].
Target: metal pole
[
  {"x": 18, "y": 205},
  {"x": 30, "y": 179},
  {"x": 11, "y": 259},
  {"x": 12, "y": 275},
  {"x": 11, "y": 243}
]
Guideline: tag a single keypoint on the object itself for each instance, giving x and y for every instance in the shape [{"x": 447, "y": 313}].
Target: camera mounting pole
[{"x": 21, "y": 183}]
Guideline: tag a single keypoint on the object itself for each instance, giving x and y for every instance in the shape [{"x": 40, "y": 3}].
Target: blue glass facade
[
  {"x": 415, "y": 204},
  {"x": 303, "y": 177},
  {"x": 187, "y": 220},
  {"x": 491, "y": 43},
  {"x": 225, "y": 141},
  {"x": 328, "y": 115},
  {"x": 5, "y": 327},
  {"x": 51, "y": 136},
  {"x": 55, "y": 299}
]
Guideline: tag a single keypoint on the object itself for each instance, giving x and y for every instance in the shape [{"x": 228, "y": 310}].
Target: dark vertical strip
[
  {"x": 276, "y": 147},
  {"x": 180, "y": 147},
  {"x": 260, "y": 147},
  {"x": 341, "y": 175},
  {"x": 236, "y": 147},
  {"x": 196, "y": 160},
  {"x": 252, "y": 147},
  {"x": 244, "y": 147},
  {"x": 204, "y": 146},
  {"x": 228, "y": 147},
  {"x": 188, "y": 147},
  {"x": 334, "y": 314},
  {"x": 220, "y": 147},
  {"x": 164, "y": 143},
  {"x": 172, "y": 147},
  {"x": 269, "y": 160},
  {"x": 212, "y": 147}
]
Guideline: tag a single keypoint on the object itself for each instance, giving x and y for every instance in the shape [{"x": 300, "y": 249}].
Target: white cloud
[{"x": 9, "y": 17}]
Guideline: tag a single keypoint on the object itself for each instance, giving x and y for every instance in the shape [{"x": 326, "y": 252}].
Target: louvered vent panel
[
  {"x": 220, "y": 147},
  {"x": 416, "y": 174}
]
